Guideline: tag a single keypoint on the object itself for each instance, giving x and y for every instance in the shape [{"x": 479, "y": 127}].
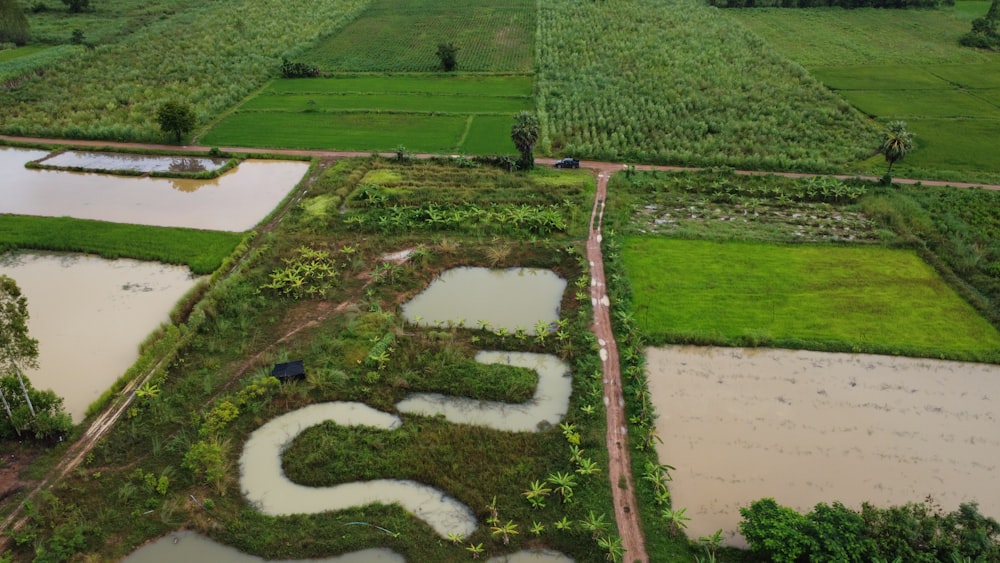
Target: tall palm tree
[
  {"x": 524, "y": 133},
  {"x": 896, "y": 143}
]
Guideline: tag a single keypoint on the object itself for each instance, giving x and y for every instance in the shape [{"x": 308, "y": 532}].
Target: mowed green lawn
[
  {"x": 902, "y": 65},
  {"x": 828, "y": 297},
  {"x": 439, "y": 114}
]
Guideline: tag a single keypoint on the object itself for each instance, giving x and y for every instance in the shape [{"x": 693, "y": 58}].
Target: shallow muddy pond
[
  {"x": 512, "y": 298},
  {"x": 134, "y": 162},
  {"x": 191, "y": 547},
  {"x": 808, "y": 427},
  {"x": 235, "y": 201},
  {"x": 89, "y": 316}
]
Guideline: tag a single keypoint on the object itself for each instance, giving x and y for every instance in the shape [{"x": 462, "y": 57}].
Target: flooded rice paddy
[
  {"x": 808, "y": 427},
  {"x": 89, "y": 316},
  {"x": 132, "y": 162},
  {"x": 235, "y": 201},
  {"x": 191, "y": 547},
  {"x": 545, "y": 409},
  {"x": 512, "y": 298}
]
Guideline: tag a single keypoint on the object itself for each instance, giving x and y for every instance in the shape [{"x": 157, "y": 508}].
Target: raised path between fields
[{"x": 619, "y": 472}]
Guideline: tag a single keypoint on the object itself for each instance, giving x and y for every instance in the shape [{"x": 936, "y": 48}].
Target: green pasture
[
  {"x": 910, "y": 104},
  {"x": 873, "y": 299},
  {"x": 492, "y": 36},
  {"x": 393, "y": 102},
  {"x": 435, "y": 83},
  {"x": 202, "y": 251},
  {"x": 865, "y": 36},
  {"x": 902, "y": 65},
  {"x": 439, "y": 114},
  {"x": 346, "y": 131},
  {"x": 106, "y": 21},
  {"x": 11, "y": 54}
]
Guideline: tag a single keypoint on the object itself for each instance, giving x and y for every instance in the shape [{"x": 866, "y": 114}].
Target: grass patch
[
  {"x": 878, "y": 77},
  {"x": 985, "y": 75},
  {"x": 451, "y": 84},
  {"x": 348, "y": 131},
  {"x": 202, "y": 251},
  {"x": 489, "y": 134},
  {"x": 863, "y": 36},
  {"x": 950, "y": 144},
  {"x": 390, "y": 102},
  {"x": 868, "y": 299},
  {"x": 910, "y": 104},
  {"x": 11, "y": 54},
  {"x": 492, "y": 36}
]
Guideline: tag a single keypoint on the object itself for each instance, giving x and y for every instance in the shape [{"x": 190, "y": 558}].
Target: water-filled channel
[
  {"x": 191, "y": 547},
  {"x": 235, "y": 201},
  {"x": 512, "y": 298},
  {"x": 808, "y": 427},
  {"x": 89, "y": 316},
  {"x": 134, "y": 162}
]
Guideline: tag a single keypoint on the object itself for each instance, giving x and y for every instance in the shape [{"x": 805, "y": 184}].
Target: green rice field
[
  {"x": 902, "y": 65},
  {"x": 878, "y": 299},
  {"x": 425, "y": 113}
]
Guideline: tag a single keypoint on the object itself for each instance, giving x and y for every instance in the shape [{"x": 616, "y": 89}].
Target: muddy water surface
[
  {"x": 135, "y": 162},
  {"x": 235, "y": 201},
  {"x": 512, "y": 298},
  {"x": 191, "y": 547},
  {"x": 89, "y": 316},
  {"x": 809, "y": 427}
]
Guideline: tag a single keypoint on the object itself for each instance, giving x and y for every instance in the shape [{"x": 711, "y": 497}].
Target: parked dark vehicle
[{"x": 568, "y": 163}]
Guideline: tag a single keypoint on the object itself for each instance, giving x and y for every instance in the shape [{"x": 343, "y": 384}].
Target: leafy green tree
[
  {"x": 448, "y": 55},
  {"x": 896, "y": 143},
  {"x": 176, "y": 118},
  {"x": 77, "y": 6},
  {"x": 13, "y": 24},
  {"x": 775, "y": 532},
  {"x": 524, "y": 133}
]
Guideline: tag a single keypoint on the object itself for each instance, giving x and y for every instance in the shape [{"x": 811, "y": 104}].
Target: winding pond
[
  {"x": 511, "y": 298},
  {"x": 89, "y": 316},
  {"x": 134, "y": 162},
  {"x": 545, "y": 409},
  {"x": 807, "y": 427},
  {"x": 235, "y": 201},
  {"x": 191, "y": 547}
]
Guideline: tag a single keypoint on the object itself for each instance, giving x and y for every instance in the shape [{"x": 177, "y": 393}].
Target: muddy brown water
[
  {"x": 191, "y": 547},
  {"x": 808, "y": 427},
  {"x": 235, "y": 201},
  {"x": 135, "y": 162},
  {"x": 511, "y": 298},
  {"x": 89, "y": 316}
]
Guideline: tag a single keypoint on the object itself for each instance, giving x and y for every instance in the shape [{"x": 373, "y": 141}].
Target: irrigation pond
[
  {"x": 512, "y": 298},
  {"x": 89, "y": 316},
  {"x": 808, "y": 427},
  {"x": 234, "y": 201},
  {"x": 95, "y": 161}
]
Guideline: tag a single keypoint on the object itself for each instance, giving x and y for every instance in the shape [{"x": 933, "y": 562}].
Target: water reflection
[
  {"x": 89, "y": 316},
  {"x": 235, "y": 201},
  {"x": 135, "y": 162}
]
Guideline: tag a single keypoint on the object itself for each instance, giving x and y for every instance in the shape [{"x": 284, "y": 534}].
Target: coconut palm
[{"x": 896, "y": 143}]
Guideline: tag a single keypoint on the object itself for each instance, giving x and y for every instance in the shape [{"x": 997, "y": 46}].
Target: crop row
[
  {"x": 202, "y": 55},
  {"x": 676, "y": 81}
]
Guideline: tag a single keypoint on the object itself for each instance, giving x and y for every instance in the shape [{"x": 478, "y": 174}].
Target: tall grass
[{"x": 202, "y": 251}]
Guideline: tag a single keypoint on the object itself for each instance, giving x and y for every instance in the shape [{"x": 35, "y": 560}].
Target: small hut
[{"x": 289, "y": 371}]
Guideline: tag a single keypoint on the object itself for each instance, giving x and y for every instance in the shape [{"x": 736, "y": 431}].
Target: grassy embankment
[
  {"x": 186, "y": 438},
  {"x": 902, "y": 65}
]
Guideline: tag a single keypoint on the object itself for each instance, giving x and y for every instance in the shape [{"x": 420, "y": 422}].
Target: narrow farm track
[{"x": 620, "y": 462}]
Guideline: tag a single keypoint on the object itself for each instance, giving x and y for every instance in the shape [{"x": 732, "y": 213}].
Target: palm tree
[
  {"x": 896, "y": 143},
  {"x": 524, "y": 133}
]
